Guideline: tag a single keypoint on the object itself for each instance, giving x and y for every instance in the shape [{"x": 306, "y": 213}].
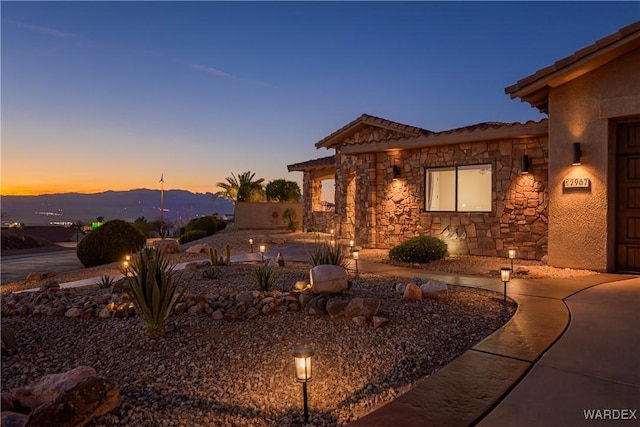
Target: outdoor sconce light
[
  {"x": 356, "y": 255},
  {"x": 577, "y": 153},
  {"x": 251, "y": 244},
  {"x": 351, "y": 243},
  {"x": 396, "y": 170},
  {"x": 512, "y": 255},
  {"x": 525, "y": 164},
  {"x": 505, "y": 275},
  {"x": 303, "y": 374},
  {"x": 262, "y": 250}
]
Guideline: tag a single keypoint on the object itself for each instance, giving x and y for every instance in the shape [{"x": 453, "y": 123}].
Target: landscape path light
[
  {"x": 505, "y": 275},
  {"x": 303, "y": 374},
  {"x": 263, "y": 248},
  {"x": 512, "y": 255},
  {"x": 251, "y": 244},
  {"x": 356, "y": 255}
]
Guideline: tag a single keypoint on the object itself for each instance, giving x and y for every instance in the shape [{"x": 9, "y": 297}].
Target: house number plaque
[{"x": 577, "y": 183}]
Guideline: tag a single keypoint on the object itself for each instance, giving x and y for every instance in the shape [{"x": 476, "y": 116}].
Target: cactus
[{"x": 228, "y": 259}]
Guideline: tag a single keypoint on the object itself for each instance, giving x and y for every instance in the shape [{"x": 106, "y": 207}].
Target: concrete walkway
[{"x": 596, "y": 358}]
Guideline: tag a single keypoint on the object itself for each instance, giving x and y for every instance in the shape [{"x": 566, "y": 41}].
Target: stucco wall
[
  {"x": 389, "y": 211},
  {"x": 265, "y": 216},
  {"x": 581, "y": 225}
]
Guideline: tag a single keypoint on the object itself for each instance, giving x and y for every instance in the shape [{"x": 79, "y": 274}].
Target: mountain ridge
[{"x": 179, "y": 206}]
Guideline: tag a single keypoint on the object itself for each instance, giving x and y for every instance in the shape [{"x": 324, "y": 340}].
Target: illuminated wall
[{"x": 585, "y": 110}]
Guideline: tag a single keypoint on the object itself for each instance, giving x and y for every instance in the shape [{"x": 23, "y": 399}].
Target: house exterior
[{"x": 491, "y": 187}]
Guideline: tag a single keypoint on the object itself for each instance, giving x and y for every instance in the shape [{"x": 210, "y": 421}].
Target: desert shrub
[
  {"x": 153, "y": 284},
  {"x": 190, "y": 236},
  {"x": 327, "y": 254},
  {"x": 109, "y": 243},
  {"x": 210, "y": 273},
  {"x": 264, "y": 276},
  {"x": 105, "y": 282},
  {"x": 210, "y": 224},
  {"x": 419, "y": 249},
  {"x": 312, "y": 229}
]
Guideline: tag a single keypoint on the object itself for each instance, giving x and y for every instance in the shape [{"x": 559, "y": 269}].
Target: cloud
[
  {"x": 209, "y": 70},
  {"x": 42, "y": 30}
]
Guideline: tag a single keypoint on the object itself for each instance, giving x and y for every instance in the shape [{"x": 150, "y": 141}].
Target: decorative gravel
[{"x": 240, "y": 373}]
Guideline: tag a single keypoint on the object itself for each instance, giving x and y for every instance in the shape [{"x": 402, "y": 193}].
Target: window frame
[{"x": 455, "y": 168}]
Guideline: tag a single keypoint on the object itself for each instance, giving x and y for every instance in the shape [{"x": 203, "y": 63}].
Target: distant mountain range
[{"x": 179, "y": 205}]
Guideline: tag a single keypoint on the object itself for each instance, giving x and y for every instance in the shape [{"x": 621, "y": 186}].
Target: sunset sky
[{"x": 108, "y": 95}]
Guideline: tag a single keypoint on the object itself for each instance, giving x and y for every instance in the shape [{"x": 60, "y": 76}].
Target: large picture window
[{"x": 459, "y": 189}]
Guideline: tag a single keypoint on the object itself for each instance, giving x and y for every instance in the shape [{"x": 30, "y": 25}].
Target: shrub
[
  {"x": 109, "y": 243},
  {"x": 264, "y": 276},
  {"x": 105, "y": 282},
  {"x": 312, "y": 229},
  {"x": 210, "y": 224},
  {"x": 327, "y": 254},
  {"x": 190, "y": 236},
  {"x": 152, "y": 287},
  {"x": 419, "y": 249}
]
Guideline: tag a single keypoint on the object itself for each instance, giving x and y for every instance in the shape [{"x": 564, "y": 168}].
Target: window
[{"x": 458, "y": 189}]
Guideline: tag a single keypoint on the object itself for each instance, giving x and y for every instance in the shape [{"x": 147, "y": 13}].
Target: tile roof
[
  {"x": 535, "y": 88},
  {"x": 321, "y": 163},
  {"x": 367, "y": 120}
]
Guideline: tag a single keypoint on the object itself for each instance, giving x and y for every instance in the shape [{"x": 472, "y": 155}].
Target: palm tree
[{"x": 242, "y": 188}]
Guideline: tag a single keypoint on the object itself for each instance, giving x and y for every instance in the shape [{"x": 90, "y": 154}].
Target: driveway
[{"x": 15, "y": 268}]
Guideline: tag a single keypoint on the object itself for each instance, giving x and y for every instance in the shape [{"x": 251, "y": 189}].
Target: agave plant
[
  {"x": 105, "y": 282},
  {"x": 264, "y": 276},
  {"x": 326, "y": 253},
  {"x": 153, "y": 285}
]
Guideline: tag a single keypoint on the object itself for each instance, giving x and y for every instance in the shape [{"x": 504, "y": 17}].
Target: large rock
[
  {"x": 412, "y": 292},
  {"x": 168, "y": 246},
  {"x": 328, "y": 279},
  {"x": 367, "y": 307},
  {"x": 13, "y": 419},
  {"x": 245, "y": 297},
  {"x": 336, "y": 308},
  {"x": 196, "y": 249},
  {"x": 72, "y": 398},
  {"x": 434, "y": 289},
  {"x": 33, "y": 277}
]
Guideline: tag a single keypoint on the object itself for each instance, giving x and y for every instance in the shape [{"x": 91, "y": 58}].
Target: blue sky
[{"x": 108, "y": 95}]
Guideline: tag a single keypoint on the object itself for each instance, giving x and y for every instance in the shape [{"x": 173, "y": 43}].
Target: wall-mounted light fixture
[
  {"x": 525, "y": 164},
  {"x": 577, "y": 153},
  {"x": 396, "y": 169}
]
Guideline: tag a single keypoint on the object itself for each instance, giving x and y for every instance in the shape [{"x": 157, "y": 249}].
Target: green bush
[
  {"x": 190, "y": 236},
  {"x": 109, "y": 243},
  {"x": 326, "y": 254},
  {"x": 210, "y": 224},
  {"x": 153, "y": 283},
  {"x": 264, "y": 276},
  {"x": 419, "y": 249}
]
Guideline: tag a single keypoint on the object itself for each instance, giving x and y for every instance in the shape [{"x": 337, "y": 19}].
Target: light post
[
  {"x": 251, "y": 244},
  {"x": 303, "y": 374},
  {"x": 262, "y": 250},
  {"x": 125, "y": 265},
  {"x": 162, "y": 206},
  {"x": 505, "y": 275},
  {"x": 356, "y": 255},
  {"x": 512, "y": 255}
]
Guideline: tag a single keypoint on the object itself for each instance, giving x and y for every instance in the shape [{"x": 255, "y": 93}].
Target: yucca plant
[
  {"x": 327, "y": 254},
  {"x": 153, "y": 285},
  {"x": 105, "y": 282},
  {"x": 264, "y": 276}
]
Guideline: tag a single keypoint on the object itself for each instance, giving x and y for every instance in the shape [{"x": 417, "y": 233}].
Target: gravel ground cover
[{"x": 240, "y": 373}]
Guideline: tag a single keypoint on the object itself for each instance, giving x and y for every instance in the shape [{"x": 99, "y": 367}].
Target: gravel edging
[{"x": 235, "y": 373}]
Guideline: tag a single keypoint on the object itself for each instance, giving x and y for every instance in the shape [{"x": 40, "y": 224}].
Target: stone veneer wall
[{"x": 388, "y": 212}]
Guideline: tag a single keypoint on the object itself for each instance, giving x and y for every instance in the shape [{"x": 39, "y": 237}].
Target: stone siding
[{"x": 389, "y": 211}]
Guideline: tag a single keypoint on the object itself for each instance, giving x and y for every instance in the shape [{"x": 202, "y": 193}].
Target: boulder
[
  {"x": 13, "y": 419},
  {"x": 72, "y": 398},
  {"x": 197, "y": 249},
  {"x": 400, "y": 287},
  {"x": 280, "y": 260},
  {"x": 33, "y": 277},
  {"x": 245, "y": 297},
  {"x": 412, "y": 292},
  {"x": 73, "y": 312},
  {"x": 359, "y": 320},
  {"x": 50, "y": 285},
  {"x": 367, "y": 307},
  {"x": 434, "y": 289},
  {"x": 336, "y": 308},
  {"x": 328, "y": 279},
  {"x": 304, "y": 299},
  {"x": 379, "y": 321},
  {"x": 168, "y": 246}
]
